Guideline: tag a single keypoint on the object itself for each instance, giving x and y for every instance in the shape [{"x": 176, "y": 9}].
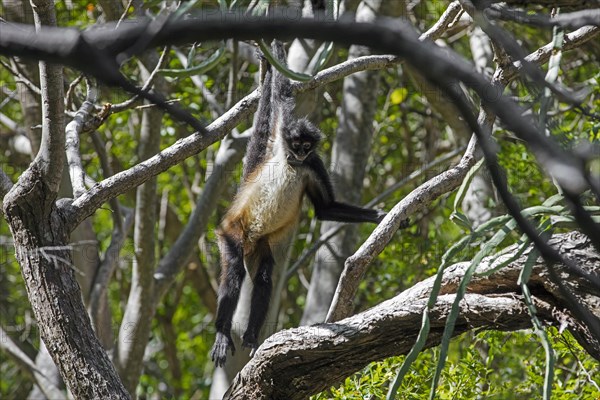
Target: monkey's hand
[
  {"x": 250, "y": 342},
  {"x": 218, "y": 353},
  {"x": 380, "y": 215}
]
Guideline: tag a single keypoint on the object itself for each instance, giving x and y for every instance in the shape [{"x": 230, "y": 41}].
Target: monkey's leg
[
  {"x": 232, "y": 277},
  {"x": 261, "y": 294}
]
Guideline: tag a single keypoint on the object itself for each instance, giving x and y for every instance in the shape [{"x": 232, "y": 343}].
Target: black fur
[
  {"x": 257, "y": 146},
  {"x": 232, "y": 277},
  {"x": 261, "y": 294},
  {"x": 321, "y": 195}
]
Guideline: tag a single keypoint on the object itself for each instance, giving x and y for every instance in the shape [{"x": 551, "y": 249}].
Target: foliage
[
  {"x": 490, "y": 365},
  {"x": 493, "y": 365}
]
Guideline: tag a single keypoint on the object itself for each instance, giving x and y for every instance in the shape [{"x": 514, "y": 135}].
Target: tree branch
[
  {"x": 50, "y": 157},
  {"x": 542, "y": 55},
  {"x": 72, "y": 132},
  {"x": 296, "y": 363}
]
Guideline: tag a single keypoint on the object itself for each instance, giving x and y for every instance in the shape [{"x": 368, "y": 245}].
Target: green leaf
[
  {"x": 280, "y": 66},
  {"x": 460, "y": 292},
  {"x": 201, "y": 68},
  {"x": 462, "y": 190},
  {"x": 191, "y": 55},
  {"x": 461, "y": 220}
]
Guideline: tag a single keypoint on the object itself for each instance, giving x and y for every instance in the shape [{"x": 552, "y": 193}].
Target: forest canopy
[{"x": 123, "y": 131}]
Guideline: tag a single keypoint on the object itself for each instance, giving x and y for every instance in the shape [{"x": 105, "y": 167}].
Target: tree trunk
[{"x": 42, "y": 249}]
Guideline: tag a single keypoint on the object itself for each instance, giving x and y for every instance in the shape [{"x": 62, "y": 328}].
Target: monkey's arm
[
  {"x": 320, "y": 192},
  {"x": 257, "y": 146}
]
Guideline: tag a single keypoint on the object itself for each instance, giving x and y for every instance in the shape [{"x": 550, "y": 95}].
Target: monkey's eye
[
  {"x": 306, "y": 145},
  {"x": 295, "y": 145}
]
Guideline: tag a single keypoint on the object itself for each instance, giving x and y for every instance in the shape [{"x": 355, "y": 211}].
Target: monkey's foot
[
  {"x": 218, "y": 353},
  {"x": 404, "y": 224},
  {"x": 250, "y": 342}
]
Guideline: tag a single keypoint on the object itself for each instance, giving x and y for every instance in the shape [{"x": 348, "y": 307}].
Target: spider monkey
[{"x": 281, "y": 166}]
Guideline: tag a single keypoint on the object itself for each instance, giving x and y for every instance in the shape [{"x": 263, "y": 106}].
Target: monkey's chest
[{"x": 276, "y": 197}]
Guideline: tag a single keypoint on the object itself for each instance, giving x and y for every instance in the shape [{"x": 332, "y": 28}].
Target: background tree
[{"x": 115, "y": 244}]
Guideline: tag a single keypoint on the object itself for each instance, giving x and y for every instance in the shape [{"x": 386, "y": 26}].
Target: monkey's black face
[
  {"x": 298, "y": 150},
  {"x": 301, "y": 141}
]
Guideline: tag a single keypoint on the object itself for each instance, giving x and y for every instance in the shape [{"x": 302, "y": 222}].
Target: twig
[
  {"x": 124, "y": 14},
  {"x": 22, "y": 78},
  {"x": 69, "y": 93},
  {"x": 128, "y": 103}
]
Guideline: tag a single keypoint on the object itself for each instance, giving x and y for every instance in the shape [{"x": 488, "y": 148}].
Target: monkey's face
[
  {"x": 299, "y": 150},
  {"x": 301, "y": 140}
]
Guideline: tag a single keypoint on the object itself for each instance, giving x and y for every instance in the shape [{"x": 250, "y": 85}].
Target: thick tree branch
[
  {"x": 51, "y": 155},
  {"x": 296, "y": 363}
]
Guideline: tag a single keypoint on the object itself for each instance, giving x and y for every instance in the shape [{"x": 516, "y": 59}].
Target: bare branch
[
  {"x": 109, "y": 263},
  {"x": 51, "y": 155},
  {"x": 447, "y": 18},
  {"x": 147, "y": 85},
  {"x": 21, "y": 78}
]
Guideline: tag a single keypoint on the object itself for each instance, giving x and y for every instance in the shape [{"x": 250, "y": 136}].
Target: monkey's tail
[{"x": 282, "y": 87}]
